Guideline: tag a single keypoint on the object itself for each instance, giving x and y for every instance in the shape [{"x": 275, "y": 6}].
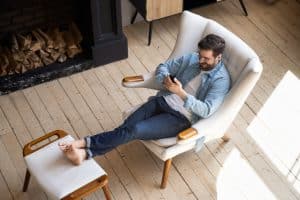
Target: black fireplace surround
[{"x": 98, "y": 20}]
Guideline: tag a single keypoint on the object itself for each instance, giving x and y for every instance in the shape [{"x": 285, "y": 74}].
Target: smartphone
[{"x": 172, "y": 78}]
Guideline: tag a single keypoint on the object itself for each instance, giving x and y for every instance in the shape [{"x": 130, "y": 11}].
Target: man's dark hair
[{"x": 214, "y": 43}]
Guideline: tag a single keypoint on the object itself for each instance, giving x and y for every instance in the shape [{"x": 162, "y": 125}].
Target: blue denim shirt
[{"x": 209, "y": 96}]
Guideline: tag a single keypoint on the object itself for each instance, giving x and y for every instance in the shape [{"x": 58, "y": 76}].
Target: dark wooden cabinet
[
  {"x": 110, "y": 44},
  {"x": 156, "y": 9}
]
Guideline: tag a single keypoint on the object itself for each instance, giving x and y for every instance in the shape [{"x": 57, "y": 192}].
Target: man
[{"x": 198, "y": 89}]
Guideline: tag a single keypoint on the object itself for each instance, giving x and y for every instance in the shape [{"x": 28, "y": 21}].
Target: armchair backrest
[{"x": 193, "y": 28}]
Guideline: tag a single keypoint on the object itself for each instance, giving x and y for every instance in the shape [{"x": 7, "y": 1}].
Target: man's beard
[{"x": 206, "y": 67}]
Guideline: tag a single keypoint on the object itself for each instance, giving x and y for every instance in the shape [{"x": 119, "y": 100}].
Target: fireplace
[{"x": 99, "y": 24}]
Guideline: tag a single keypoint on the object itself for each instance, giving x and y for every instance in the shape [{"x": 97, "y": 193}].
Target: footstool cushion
[{"x": 56, "y": 174}]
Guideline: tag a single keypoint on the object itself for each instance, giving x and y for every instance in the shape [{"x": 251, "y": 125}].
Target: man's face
[{"x": 207, "y": 60}]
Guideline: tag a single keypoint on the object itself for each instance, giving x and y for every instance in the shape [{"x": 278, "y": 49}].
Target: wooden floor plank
[
  {"x": 80, "y": 105},
  {"x": 4, "y": 191},
  {"x": 125, "y": 70},
  {"x": 175, "y": 180},
  {"x": 130, "y": 94},
  {"x": 68, "y": 108},
  {"x": 54, "y": 109},
  {"x": 10, "y": 174},
  {"x": 103, "y": 96},
  {"x": 27, "y": 114},
  {"x": 39, "y": 109},
  {"x": 113, "y": 89}
]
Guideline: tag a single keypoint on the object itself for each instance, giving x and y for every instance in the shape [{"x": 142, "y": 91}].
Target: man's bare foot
[
  {"x": 64, "y": 146},
  {"x": 75, "y": 155},
  {"x": 77, "y": 144}
]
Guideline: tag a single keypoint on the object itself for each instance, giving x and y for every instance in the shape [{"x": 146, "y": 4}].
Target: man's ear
[{"x": 219, "y": 57}]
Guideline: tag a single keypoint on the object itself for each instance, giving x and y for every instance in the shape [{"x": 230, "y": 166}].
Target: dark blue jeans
[{"x": 153, "y": 120}]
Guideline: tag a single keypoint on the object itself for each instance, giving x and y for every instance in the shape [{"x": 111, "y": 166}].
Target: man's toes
[
  {"x": 62, "y": 147},
  {"x": 62, "y": 144}
]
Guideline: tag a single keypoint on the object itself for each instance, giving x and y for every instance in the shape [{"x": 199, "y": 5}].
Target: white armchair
[{"x": 244, "y": 67}]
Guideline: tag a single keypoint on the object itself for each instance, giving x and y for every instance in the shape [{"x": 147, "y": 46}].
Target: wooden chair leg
[
  {"x": 226, "y": 137},
  {"x": 26, "y": 181},
  {"x": 106, "y": 192},
  {"x": 165, "y": 173}
]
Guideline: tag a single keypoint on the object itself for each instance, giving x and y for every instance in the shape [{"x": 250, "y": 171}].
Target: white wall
[{"x": 127, "y": 12}]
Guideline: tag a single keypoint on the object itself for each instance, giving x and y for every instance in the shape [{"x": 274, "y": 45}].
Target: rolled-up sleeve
[
  {"x": 168, "y": 68},
  {"x": 212, "y": 101}
]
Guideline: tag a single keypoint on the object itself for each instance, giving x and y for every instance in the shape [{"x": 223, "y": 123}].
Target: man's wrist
[{"x": 182, "y": 94}]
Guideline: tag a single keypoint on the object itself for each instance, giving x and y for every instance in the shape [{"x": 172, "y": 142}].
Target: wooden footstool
[{"x": 59, "y": 178}]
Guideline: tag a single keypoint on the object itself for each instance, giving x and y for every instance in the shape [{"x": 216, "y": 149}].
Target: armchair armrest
[
  {"x": 133, "y": 79},
  {"x": 142, "y": 81},
  {"x": 187, "y": 133}
]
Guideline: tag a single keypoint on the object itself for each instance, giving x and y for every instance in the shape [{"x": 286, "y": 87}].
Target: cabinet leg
[
  {"x": 244, "y": 7},
  {"x": 133, "y": 17},
  {"x": 150, "y": 33}
]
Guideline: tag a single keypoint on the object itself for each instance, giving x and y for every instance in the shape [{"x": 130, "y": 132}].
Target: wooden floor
[{"x": 262, "y": 161}]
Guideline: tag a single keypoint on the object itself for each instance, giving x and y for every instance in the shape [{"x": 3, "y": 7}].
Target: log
[
  {"x": 44, "y": 53},
  {"x": 45, "y": 58},
  {"x": 14, "y": 43},
  {"x": 68, "y": 37},
  {"x": 57, "y": 37},
  {"x": 54, "y": 55},
  {"x": 35, "y": 60},
  {"x": 12, "y": 63},
  {"x": 19, "y": 56},
  {"x": 4, "y": 64},
  {"x": 28, "y": 64},
  {"x": 75, "y": 32},
  {"x": 35, "y": 46},
  {"x": 23, "y": 68},
  {"x": 62, "y": 58},
  {"x": 39, "y": 38},
  {"x": 39, "y": 48},
  {"x": 24, "y": 41},
  {"x": 47, "y": 39},
  {"x": 71, "y": 52},
  {"x": 17, "y": 69}
]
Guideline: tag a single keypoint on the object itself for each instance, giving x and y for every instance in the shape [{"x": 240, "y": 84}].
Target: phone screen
[{"x": 172, "y": 78}]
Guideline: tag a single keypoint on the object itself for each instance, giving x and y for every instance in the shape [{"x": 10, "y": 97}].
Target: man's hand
[{"x": 175, "y": 88}]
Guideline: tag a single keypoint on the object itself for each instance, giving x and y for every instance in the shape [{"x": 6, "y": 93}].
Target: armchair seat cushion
[
  {"x": 165, "y": 142},
  {"x": 56, "y": 174}
]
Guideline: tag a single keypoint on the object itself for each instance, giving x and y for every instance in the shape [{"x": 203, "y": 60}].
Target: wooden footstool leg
[
  {"x": 106, "y": 192},
  {"x": 26, "y": 181}
]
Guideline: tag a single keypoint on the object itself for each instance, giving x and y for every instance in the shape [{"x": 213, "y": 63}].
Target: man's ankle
[{"x": 80, "y": 143}]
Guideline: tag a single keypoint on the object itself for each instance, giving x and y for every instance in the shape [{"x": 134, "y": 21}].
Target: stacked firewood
[{"x": 39, "y": 48}]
